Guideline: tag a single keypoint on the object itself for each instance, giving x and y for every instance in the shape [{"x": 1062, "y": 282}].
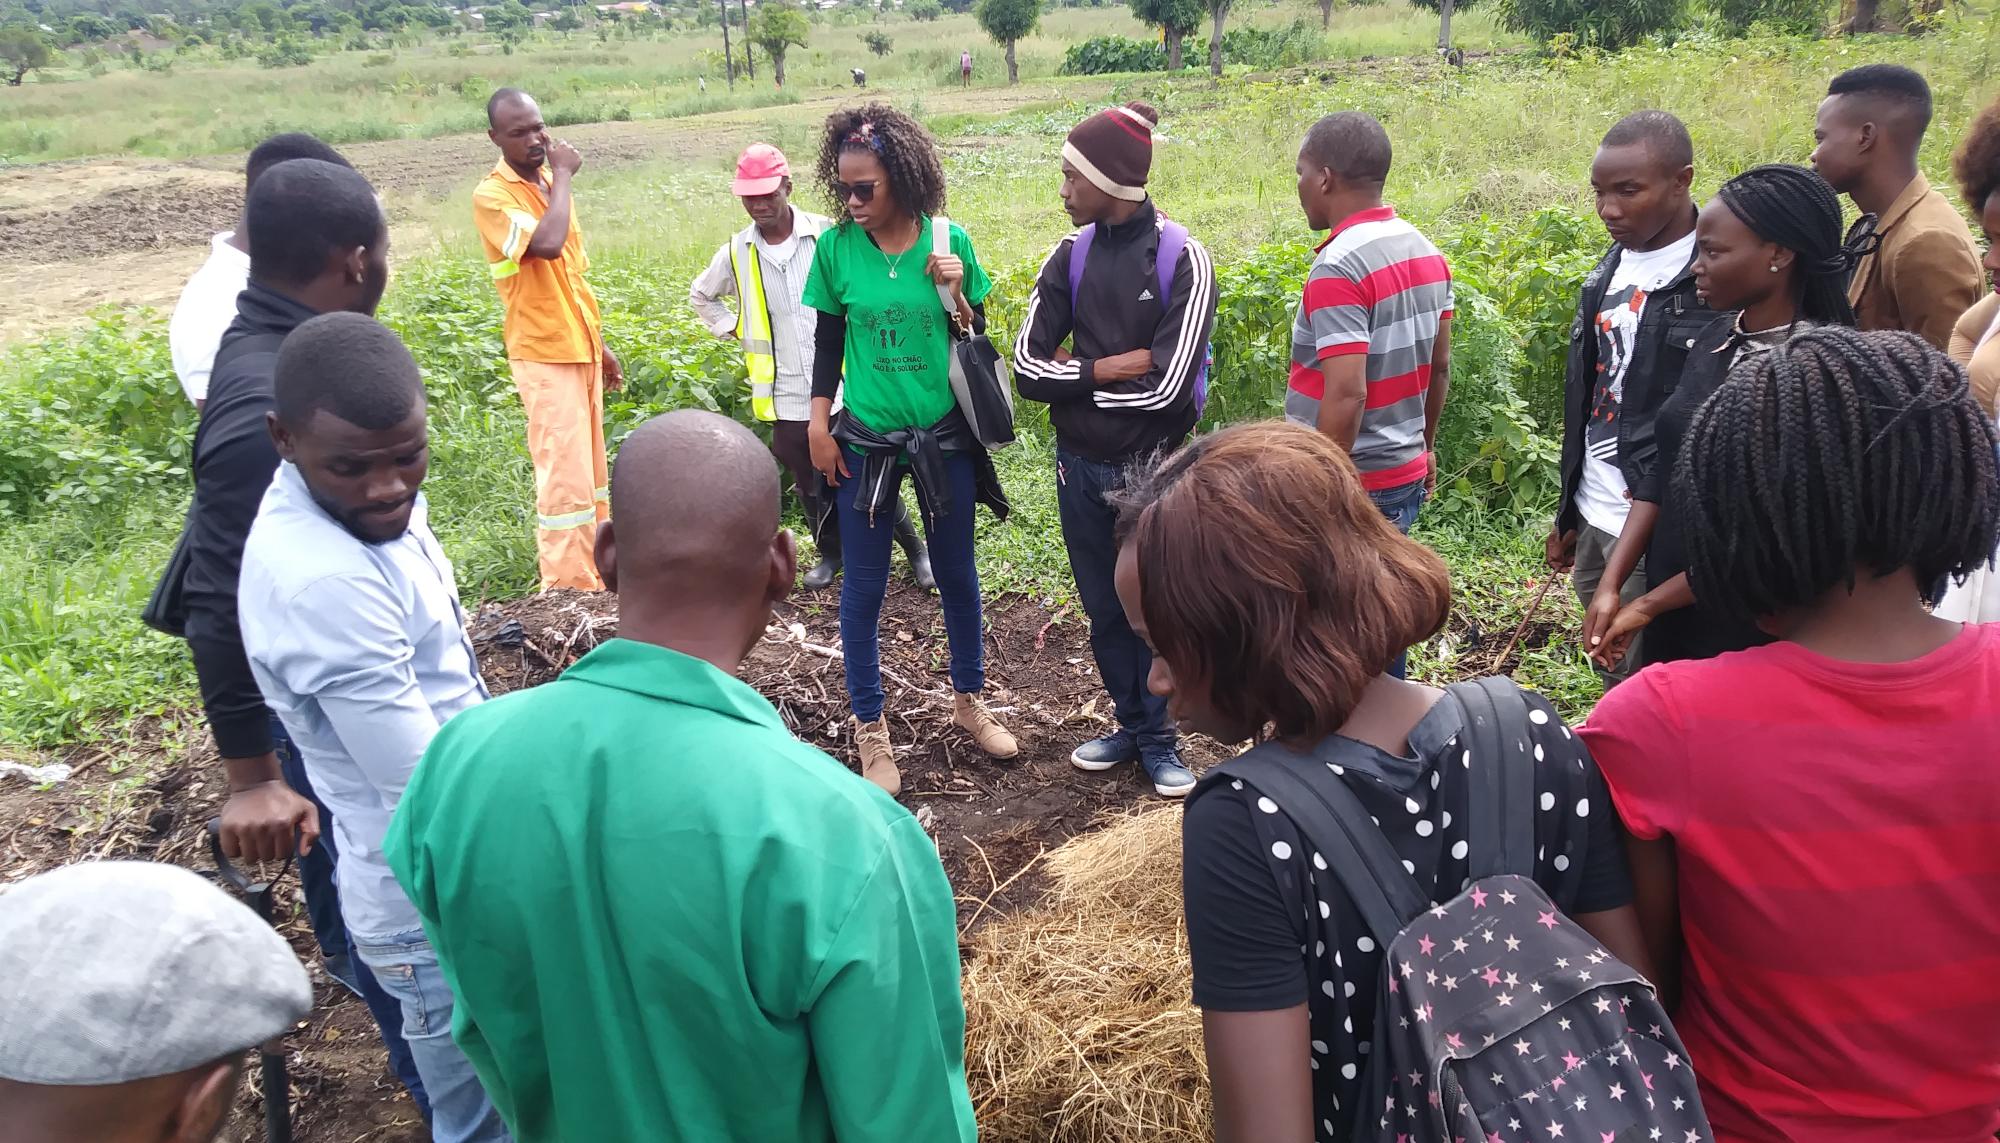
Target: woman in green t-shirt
[{"x": 875, "y": 281}]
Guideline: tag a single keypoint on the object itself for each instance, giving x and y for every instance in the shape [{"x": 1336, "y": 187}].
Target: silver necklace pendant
[{"x": 892, "y": 271}]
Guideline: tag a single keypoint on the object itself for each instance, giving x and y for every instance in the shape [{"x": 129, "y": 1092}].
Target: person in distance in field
[
  {"x": 554, "y": 335},
  {"x": 352, "y": 626},
  {"x": 1918, "y": 269},
  {"x": 1815, "y": 824},
  {"x": 1637, "y": 317},
  {"x": 1130, "y": 384},
  {"x": 129, "y": 994},
  {"x": 208, "y": 302},
  {"x": 794, "y": 976}
]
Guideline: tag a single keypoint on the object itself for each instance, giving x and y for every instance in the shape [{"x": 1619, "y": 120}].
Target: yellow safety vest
[{"x": 753, "y": 327}]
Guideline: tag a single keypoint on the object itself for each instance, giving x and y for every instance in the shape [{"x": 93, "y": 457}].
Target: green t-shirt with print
[{"x": 898, "y": 334}]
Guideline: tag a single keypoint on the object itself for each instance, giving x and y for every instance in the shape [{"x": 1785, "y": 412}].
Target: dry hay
[{"x": 1080, "y": 1027}]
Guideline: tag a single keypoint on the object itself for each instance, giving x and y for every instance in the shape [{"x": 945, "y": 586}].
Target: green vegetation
[
  {"x": 778, "y": 27},
  {"x": 1491, "y": 161}
]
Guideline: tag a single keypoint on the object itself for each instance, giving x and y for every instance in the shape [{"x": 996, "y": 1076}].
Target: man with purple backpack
[{"x": 1134, "y": 296}]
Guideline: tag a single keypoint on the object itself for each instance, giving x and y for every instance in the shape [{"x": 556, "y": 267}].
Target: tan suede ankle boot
[
  {"x": 969, "y": 714},
  {"x": 878, "y": 756}
]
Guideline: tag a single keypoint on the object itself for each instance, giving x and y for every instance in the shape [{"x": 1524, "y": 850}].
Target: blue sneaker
[
  {"x": 1106, "y": 752},
  {"x": 1170, "y": 778}
]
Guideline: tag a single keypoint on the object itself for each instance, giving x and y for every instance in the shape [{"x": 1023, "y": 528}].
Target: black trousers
[
  {"x": 1088, "y": 521},
  {"x": 790, "y": 445}
]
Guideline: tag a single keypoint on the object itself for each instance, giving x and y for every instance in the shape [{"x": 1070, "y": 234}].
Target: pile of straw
[{"x": 1080, "y": 1026}]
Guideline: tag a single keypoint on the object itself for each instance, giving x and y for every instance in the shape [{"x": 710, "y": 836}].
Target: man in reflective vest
[{"x": 764, "y": 266}]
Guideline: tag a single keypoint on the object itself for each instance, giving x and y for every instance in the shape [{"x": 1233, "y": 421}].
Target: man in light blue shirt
[{"x": 353, "y": 629}]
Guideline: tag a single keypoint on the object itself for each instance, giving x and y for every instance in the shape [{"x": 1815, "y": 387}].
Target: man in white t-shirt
[
  {"x": 1637, "y": 315},
  {"x": 208, "y": 302}
]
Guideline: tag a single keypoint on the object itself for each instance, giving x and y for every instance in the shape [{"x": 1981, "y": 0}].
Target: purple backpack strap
[
  {"x": 1078, "y": 251},
  {"x": 1173, "y": 239}
]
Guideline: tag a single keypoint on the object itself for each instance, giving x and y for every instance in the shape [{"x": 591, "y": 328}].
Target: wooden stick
[{"x": 1534, "y": 605}]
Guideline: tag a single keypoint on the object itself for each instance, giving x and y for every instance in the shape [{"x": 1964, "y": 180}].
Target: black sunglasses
[{"x": 863, "y": 193}]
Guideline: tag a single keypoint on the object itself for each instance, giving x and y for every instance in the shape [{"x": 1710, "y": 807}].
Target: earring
[{"x": 1774, "y": 267}]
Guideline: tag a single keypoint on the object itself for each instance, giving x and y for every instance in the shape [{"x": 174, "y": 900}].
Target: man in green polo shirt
[{"x": 664, "y": 917}]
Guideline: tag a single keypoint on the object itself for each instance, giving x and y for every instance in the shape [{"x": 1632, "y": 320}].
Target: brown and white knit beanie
[{"x": 1114, "y": 149}]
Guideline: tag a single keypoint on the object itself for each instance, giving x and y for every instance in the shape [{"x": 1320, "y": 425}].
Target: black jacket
[
  {"x": 1671, "y": 321},
  {"x": 234, "y": 461},
  {"x": 1116, "y": 312},
  {"x": 924, "y": 450}
]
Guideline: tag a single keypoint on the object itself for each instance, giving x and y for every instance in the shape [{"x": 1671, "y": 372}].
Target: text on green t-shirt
[{"x": 898, "y": 334}]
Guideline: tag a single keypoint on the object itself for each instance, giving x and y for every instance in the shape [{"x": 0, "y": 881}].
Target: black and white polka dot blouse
[{"x": 1251, "y": 880}]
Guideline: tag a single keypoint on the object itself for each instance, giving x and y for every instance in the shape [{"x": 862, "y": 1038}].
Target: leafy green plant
[
  {"x": 1105, "y": 55},
  {"x": 1791, "y": 17},
  {"x": 1605, "y": 24}
]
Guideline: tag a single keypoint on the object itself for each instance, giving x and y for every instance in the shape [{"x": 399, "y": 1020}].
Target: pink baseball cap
[{"x": 760, "y": 169}]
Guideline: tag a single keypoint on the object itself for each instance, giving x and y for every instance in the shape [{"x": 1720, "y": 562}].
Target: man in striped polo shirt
[{"x": 1371, "y": 345}]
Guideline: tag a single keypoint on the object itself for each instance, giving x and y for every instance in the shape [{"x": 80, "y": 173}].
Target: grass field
[
  {"x": 207, "y": 105},
  {"x": 1490, "y": 160}
]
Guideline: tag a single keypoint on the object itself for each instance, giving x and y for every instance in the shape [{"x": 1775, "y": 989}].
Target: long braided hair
[
  {"x": 1836, "y": 451},
  {"x": 907, "y": 151},
  {"x": 1798, "y": 210}
]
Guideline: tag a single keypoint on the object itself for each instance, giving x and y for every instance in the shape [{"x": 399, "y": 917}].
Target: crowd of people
[{"x": 630, "y": 904}]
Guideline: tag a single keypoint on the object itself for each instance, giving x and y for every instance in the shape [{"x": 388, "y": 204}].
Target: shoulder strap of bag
[
  {"x": 941, "y": 244},
  {"x": 1078, "y": 251},
  {"x": 1501, "y": 828},
  {"x": 1337, "y": 824},
  {"x": 1173, "y": 239}
]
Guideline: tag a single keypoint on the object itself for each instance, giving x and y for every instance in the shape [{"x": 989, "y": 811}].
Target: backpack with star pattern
[{"x": 1499, "y": 1019}]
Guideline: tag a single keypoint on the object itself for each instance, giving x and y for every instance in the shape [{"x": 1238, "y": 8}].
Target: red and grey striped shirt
[{"x": 1380, "y": 288}]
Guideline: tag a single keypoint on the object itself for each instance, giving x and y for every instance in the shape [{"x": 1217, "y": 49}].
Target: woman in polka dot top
[{"x": 1275, "y": 596}]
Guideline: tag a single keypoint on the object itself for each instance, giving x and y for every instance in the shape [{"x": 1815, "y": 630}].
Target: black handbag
[
  {"x": 166, "y": 609},
  {"x": 981, "y": 383}
]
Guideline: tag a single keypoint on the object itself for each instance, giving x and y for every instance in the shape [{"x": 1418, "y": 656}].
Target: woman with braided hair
[
  {"x": 876, "y": 279},
  {"x": 1768, "y": 259},
  {"x": 1974, "y": 343},
  {"x": 1830, "y": 801}
]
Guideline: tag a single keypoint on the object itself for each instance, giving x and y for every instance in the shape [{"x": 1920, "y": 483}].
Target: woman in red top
[{"x": 1816, "y": 822}]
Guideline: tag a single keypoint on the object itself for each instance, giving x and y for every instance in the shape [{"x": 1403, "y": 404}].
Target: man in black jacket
[
  {"x": 1130, "y": 384},
  {"x": 318, "y": 243},
  {"x": 1634, "y": 322}
]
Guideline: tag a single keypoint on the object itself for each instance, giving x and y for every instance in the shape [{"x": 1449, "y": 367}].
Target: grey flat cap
[{"x": 113, "y": 971}]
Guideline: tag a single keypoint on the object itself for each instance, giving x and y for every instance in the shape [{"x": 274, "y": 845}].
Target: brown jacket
[
  {"x": 1975, "y": 344},
  {"x": 1925, "y": 274}
]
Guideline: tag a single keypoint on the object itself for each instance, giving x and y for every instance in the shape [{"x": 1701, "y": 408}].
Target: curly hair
[
  {"x": 1976, "y": 166},
  {"x": 1267, "y": 573},
  {"x": 907, "y": 150},
  {"x": 1835, "y": 451}
]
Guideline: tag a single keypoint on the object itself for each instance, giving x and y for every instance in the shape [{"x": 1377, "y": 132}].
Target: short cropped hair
[
  {"x": 1898, "y": 87},
  {"x": 1268, "y": 575},
  {"x": 1662, "y": 133},
  {"x": 350, "y": 365},
  {"x": 501, "y": 97},
  {"x": 284, "y": 148},
  {"x": 1351, "y": 144},
  {"x": 301, "y": 212}
]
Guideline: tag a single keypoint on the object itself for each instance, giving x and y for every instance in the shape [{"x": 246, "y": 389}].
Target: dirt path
[{"x": 86, "y": 233}]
